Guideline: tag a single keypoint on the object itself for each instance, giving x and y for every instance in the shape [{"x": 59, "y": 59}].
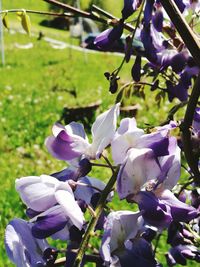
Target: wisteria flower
[
  {"x": 130, "y": 6},
  {"x": 181, "y": 253},
  {"x": 119, "y": 227},
  {"x": 42, "y": 193},
  {"x": 70, "y": 142},
  {"x": 107, "y": 38},
  {"x": 161, "y": 211},
  {"x": 144, "y": 157},
  {"x": 21, "y": 247}
]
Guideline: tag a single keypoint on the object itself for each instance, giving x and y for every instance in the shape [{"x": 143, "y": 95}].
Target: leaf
[
  {"x": 19, "y": 15},
  {"x": 26, "y": 23},
  {"x": 5, "y": 21}
]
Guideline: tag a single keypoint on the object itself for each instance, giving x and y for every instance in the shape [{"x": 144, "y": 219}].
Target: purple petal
[
  {"x": 154, "y": 211},
  {"x": 150, "y": 50},
  {"x": 109, "y": 36},
  {"x": 49, "y": 224},
  {"x": 21, "y": 247},
  {"x": 86, "y": 192},
  {"x": 67, "y": 142},
  {"x": 157, "y": 20},
  {"x": 38, "y": 193},
  {"x": 140, "y": 253},
  {"x": 148, "y": 11},
  {"x": 126, "y": 137},
  {"x": 140, "y": 166},
  {"x": 178, "y": 62},
  {"x": 179, "y": 91},
  {"x": 119, "y": 228},
  {"x": 103, "y": 130},
  {"x": 180, "y": 211},
  {"x": 180, "y": 5},
  {"x": 129, "y": 7},
  {"x": 60, "y": 149}
]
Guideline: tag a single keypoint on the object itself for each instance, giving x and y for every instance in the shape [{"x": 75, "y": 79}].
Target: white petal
[
  {"x": 140, "y": 167},
  {"x": 103, "y": 130},
  {"x": 37, "y": 192},
  {"x": 174, "y": 172},
  {"x": 70, "y": 207}
]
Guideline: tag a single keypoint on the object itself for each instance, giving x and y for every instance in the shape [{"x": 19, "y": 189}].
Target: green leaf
[
  {"x": 5, "y": 21},
  {"x": 26, "y": 22}
]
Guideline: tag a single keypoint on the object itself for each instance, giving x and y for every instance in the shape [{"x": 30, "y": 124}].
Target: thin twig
[
  {"x": 107, "y": 160},
  {"x": 100, "y": 165},
  {"x": 185, "y": 186},
  {"x": 37, "y": 12},
  {"x": 90, "y": 186}
]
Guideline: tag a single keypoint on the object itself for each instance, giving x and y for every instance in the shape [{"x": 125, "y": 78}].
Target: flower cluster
[
  {"x": 149, "y": 168},
  {"x": 159, "y": 44}
]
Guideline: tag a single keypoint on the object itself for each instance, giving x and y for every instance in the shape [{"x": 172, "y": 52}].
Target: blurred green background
[{"x": 35, "y": 85}]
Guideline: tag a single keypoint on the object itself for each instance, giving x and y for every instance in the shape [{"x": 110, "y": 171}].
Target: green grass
[{"x": 34, "y": 89}]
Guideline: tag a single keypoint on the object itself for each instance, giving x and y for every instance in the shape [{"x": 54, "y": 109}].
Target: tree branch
[
  {"x": 186, "y": 133},
  {"x": 89, "y": 15},
  {"x": 186, "y": 33}
]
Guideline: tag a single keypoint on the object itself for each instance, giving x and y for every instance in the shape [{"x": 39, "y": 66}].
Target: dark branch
[{"x": 186, "y": 33}]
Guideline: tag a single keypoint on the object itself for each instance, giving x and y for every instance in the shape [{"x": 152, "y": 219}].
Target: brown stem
[
  {"x": 88, "y": 15},
  {"x": 192, "y": 160}
]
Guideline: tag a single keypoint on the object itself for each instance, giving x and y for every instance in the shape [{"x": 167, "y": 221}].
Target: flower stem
[{"x": 94, "y": 220}]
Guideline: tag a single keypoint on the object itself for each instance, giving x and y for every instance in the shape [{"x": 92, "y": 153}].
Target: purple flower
[
  {"x": 178, "y": 235},
  {"x": 138, "y": 252},
  {"x": 75, "y": 171},
  {"x": 129, "y": 7},
  {"x": 52, "y": 222},
  {"x": 181, "y": 253},
  {"x": 157, "y": 19},
  {"x": 136, "y": 69},
  {"x": 154, "y": 211},
  {"x": 42, "y": 193},
  {"x": 149, "y": 47},
  {"x": 148, "y": 10},
  {"x": 144, "y": 157},
  {"x": 21, "y": 247},
  {"x": 180, "y": 211},
  {"x": 70, "y": 142},
  {"x": 180, "y": 4},
  {"x": 119, "y": 227},
  {"x": 178, "y": 62},
  {"x": 107, "y": 38},
  {"x": 180, "y": 90}
]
